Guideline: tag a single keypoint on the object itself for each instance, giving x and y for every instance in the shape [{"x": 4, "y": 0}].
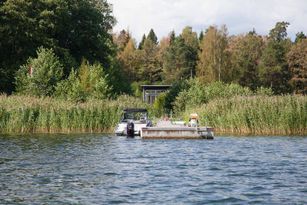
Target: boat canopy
[{"x": 135, "y": 110}]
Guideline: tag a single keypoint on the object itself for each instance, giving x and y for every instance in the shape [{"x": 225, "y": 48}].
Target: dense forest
[{"x": 56, "y": 48}]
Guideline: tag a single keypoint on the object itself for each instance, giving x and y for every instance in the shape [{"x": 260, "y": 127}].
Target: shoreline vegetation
[
  {"x": 24, "y": 115},
  {"x": 80, "y": 74},
  {"x": 260, "y": 115},
  {"x": 249, "y": 115}
]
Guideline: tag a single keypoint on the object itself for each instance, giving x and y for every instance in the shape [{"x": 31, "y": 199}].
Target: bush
[
  {"x": 172, "y": 94},
  {"x": 264, "y": 91},
  {"x": 136, "y": 88},
  {"x": 90, "y": 83},
  {"x": 39, "y": 76},
  {"x": 159, "y": 105},
  {"x": 198, "y": 93}
]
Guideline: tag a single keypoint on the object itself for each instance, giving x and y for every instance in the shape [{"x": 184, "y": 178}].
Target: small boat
[
  {"x": 133, "y": 120},
  {"x": 166, "y": 129}
]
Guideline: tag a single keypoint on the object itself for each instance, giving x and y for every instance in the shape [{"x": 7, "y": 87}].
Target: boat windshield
[{"x": 135, "y": 116}]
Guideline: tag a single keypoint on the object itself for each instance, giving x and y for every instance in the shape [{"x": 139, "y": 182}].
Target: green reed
[
  {"x": 23, "y": 114},
  {"x": 263, "y": 115}
]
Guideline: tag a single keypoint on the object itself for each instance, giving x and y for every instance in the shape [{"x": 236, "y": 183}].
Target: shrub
[
  {"x": 198, "y": 93},
  {"x": 159, "y": 105},
  {"x": 90, "y": 83},
  {"x": 264, "y": 91},
  {"x": 39, "y": 76}
]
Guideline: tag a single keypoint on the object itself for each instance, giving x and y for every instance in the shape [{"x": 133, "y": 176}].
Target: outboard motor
[{"x": 130, "y": 129}]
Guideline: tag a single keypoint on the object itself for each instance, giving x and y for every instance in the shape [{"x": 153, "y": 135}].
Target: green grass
[
  {"x": 22, "y": 114},
  {"x": 263, "y": 115}
]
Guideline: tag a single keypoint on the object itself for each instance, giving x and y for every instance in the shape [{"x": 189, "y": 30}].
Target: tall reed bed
[
  {"x": 22, "y": 114},
  {"x": 263, "y": 115}
]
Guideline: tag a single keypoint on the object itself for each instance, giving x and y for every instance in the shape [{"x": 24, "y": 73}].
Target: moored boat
[{"x": 133, "y": 120}]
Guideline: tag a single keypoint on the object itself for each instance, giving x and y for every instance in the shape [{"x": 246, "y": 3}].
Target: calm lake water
[{"x": 97, "y": 169}]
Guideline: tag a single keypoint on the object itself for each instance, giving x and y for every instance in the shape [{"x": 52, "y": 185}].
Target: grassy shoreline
[
  {"x": 22, "y": 114},
  {"x": 257, "y": 115}
]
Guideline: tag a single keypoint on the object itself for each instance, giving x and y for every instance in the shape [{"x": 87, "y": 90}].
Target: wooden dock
[{"x": 177, "y": 133}]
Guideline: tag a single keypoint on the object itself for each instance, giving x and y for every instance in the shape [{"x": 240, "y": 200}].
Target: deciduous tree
[
  {"x": 213, "y": 64},
  {"x": 297, "y": 60}
]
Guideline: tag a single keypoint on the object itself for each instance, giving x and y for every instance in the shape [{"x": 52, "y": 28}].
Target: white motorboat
[{"x": 134, "y": 119}]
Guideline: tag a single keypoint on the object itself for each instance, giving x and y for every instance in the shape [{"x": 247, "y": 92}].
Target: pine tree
[
  {"x": 180, "y": 58},
  {"x": 39, "y": 76},
  {"x": 152, "y": 36},
  {"x": 273, "y": 70},
  {"x": 149, "y": 68},
  {"x": 141, "y": 44},
  {"x": 172, "y": 37},
  {"x": 246, "y": 52},
  {"x": 201, "y": 36},
  {"x": 300, "y": 36}
]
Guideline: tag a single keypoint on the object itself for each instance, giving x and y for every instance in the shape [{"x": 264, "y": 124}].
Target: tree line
[
  {"x": 251, "y": 60},
  {"x": 67, "y": 49}
]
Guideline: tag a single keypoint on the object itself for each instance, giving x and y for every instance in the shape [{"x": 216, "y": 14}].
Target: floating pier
[{"x": 177, "y": 133}]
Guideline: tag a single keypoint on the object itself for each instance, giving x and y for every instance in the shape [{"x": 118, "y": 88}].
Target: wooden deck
[{"x": 177, "y": 133}]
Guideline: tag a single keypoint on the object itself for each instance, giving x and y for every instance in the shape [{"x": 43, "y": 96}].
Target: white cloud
[{"x": 240, "y": 16}]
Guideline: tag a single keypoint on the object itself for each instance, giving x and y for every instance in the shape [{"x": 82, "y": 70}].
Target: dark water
[{"x": 95, "y": 169}]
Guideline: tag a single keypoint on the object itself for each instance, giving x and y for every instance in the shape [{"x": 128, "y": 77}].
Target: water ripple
[{"x": 96, "y": 169}]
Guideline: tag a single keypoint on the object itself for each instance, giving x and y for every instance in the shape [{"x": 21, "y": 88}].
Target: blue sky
[{"x": 240, "y": 16}]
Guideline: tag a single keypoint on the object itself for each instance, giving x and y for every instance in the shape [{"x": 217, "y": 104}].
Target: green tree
[
  {"x": 90, "y": 82},
  {"x": 192, "y": 45},
  {"x": 297, "y": 60},
  {"x": 152, "y": 36},
  {"x": 82, "y": 27},
  {"x": 172, "y": 37},
  {"x": 201, "y": 36},
  {"x": 17, "y": 18},
  {"x": 149, "y": 68},
  {"x": 39, "y": 76},
  {"x": 73, "y": 28},
  {"x": 273, "y": 69},
  {"x": 213, "y": 56},
  {"x": 175, "y": 62},
  {"x": 180, "y": 57},
  {"x": 129, "y": 61},
  {"x": 246, "y": 52},
  {"x": 300, "y": 36},
  {"x": 141, "y": 44}
]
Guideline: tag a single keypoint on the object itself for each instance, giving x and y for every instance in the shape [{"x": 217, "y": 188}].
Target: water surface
[{"x": 97, "y": 169}]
